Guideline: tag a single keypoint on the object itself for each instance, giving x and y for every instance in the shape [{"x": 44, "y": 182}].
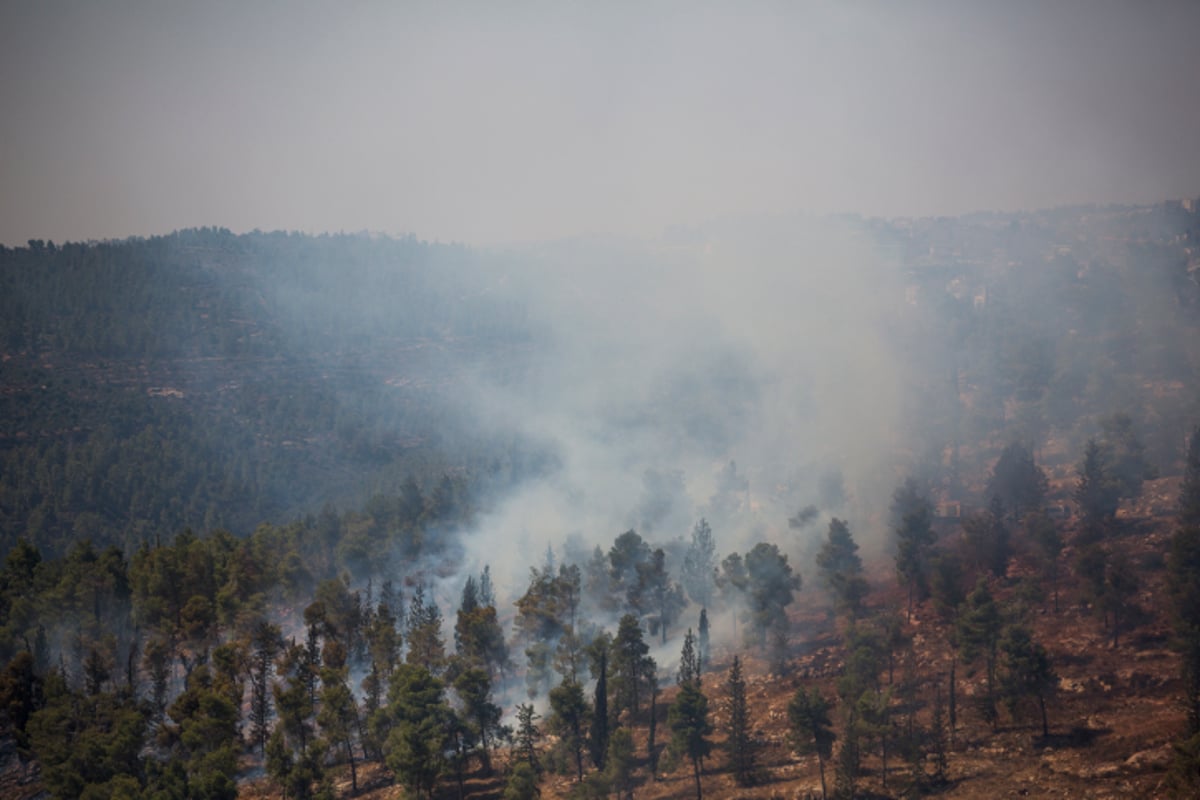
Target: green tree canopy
[
  {"x": 770, "y": 587},
  {"x": 1018, "y": 482},
  {"x": 841, "y": 570}
]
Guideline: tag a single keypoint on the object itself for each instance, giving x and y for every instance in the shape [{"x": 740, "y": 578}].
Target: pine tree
[
  {"x": 487, "y": 594},
  {"x": 914, "y": 539},
  {"x": 840, "y": 569},
  {"x": 733, "y": 583},
  {"x": 203, "y": 736},
  {"x": 628, "y": 666},
  {"x": 658, "y": 594},
  {"x": 546, "y": 613},
  {"x": 741, "y": 747},
  {"x": 266, "y": 640},
  {"x": 875, "y": 724},
  {"x": 1121, "y": 585},
  {"x": 291, "y": 759},
  {"x": 702, "y": 642},
  {"x": 864, "y": 656},
  {"x": 628, "y": 553},
  {"x": 699, "y": 563},
  {"x": 522, "y": 783},
  {"x": 1096, "y": 491},
  {"x": 811, "y": 728},
  {"x": 1049, "y": 543},
  {"x": 418, "y": 723},
  {"x": 689, "y": 661},
  {"x": 310, "y": 663},
  {"x": 424, "y": 633},
  {"x": 383, "y": 650},
  {"x": 479, "y": 639},
  {"x": 1018, "y": 482},
  {"x": 598, "y": 730},
  {"x": 690, "y": 728},
  {"x": 569, "y": 655},
  {"x": 619, "y": 762},
  {"x": 845, "y": 776},
  {"x": 770, "y": 583},
  {"x": 338, "y": 716},
  {"x": 946, "y": 586},
  {"x": 390, "y": 599},
  {"x": 894, "y": 639},
  {"x": 21, "y": 695},
  {"x": 987, "y": 538},
  {"x": 569, "y": 710},
  {"x": 1126, "y": 455},
  {"x": 480, "y": 716},
  {"x": 979, "y": 629},
  {"x": 1027, "y": 672},
  {"x": 527, "y": 736}
]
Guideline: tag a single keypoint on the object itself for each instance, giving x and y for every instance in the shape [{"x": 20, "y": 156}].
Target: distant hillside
[{"x": 210, "y": 380}]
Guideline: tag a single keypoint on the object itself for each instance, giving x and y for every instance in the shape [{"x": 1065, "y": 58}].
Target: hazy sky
[{"x": 502, "y": 122}]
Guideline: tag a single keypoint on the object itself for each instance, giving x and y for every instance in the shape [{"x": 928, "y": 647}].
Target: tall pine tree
[
  {"x": 688, "y": 714},
  {"x": 811, "y": 728},
  {"x": 741, "y": 747}
]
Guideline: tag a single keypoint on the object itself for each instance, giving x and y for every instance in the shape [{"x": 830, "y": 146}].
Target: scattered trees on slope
[{"x": 200, "y": 600}]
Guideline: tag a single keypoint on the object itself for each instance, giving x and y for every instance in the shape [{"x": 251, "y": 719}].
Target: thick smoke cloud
[{"x": 766, "y": 344}]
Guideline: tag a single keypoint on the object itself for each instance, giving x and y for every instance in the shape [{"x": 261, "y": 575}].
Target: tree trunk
[
  {"x": 1045, "y": 723},
  {"x": 953, "y": 703},
  {"x": 1054, "y": 582},
  {"x": 696, "y": 772},
  {"x": 821, "y": 766},
  {"x": 353, "y": 767},
  {"x": 991, "y": 690},
  {"x": 883, "y": 748},
  {"x": 651, "y": 745}
]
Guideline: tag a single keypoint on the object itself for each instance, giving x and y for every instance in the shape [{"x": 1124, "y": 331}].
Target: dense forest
[
  {"x": 208, "y": 380},
  {"x": 256, "y": 527}
]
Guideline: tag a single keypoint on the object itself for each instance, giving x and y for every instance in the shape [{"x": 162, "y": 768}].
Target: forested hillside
[
  {"x": 209, "y": 380},
  {"x": 349, "y": 516}
]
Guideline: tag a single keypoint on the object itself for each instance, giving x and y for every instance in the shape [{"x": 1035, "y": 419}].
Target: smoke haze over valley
[{"x": 358, "y": 354}]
